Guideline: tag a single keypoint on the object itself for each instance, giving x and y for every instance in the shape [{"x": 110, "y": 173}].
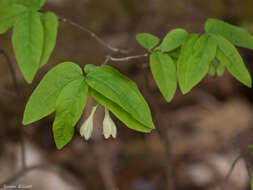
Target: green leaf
[
  {"x": 119, "y": 112},
  {"x": 173, "y": 40},
  {"x": 236, "y": 35},
  {"x": 89, "y": 67},
  {"x": 194, "y": 64},
  {"x": 69, "y": 108},
  {"x": 122, "y": 92},
  {"x": 9, "y": 13},
  {"x": 42, "y": 102},
  {"x": 230, "y": 57},
  {"x": 31, "y": 4},
  {"x": 50, "y": 25},
  {"x": 5, "y": 2},
  {"x": 175, "y": 53},
  {"x": 164, "y": 72},
  {"x": 186, "y": 52},
  {"x": 27, "y": 40},
  {"x": 147, "y": 41}
]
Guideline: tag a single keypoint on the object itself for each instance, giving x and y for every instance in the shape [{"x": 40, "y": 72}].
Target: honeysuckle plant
[
  {"x": 185, "y": 59},
  {"x": 179, "y": 59}
]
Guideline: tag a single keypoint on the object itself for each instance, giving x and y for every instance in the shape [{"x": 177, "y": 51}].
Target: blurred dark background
[{"x": 200, "y": 134}]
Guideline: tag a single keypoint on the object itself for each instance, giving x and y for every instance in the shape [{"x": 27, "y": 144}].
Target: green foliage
[
  {"x": 196, "y": 67},
  {"x": 65, "y": 91},
  {"x": 42, "y": 102},
  {"x": 34, "y": 33},
  {"x": 181, "y": 57},
  {"x": 121, "y": 96},
  {"x": 31, "y": 4},
  {"x": 216, "y": 68},
  {"x": 182, "y": 64},
  {"x": 147, "y": 41},
  {"x": 196, "y": 56},
  {"x": 69, "y": 108},
  {"x": 236, "y": 35},
  {"x": 164, "y": 71},
  {"x": 174, "y": 39},
  {"x": 50, "y": 26},
  {"x": 9, "y": 14},
  {"x": 231, "y": 59},
  {"x": 27, "y": 40},
  {"x": 175, "y": 53},
  {"x": 220, "y": 69},
  {"x": 212, "y": 70},
  {"x": 119, "y": 112},
  {"x": 89, "y": 67}
]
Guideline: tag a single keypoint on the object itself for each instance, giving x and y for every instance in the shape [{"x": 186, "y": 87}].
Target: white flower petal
[
  {"x": 87, "y": 126},
  {"x": 109, "y": 128}
]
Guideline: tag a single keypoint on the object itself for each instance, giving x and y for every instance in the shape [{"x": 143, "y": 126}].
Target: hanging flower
[
  {"x": 109, "y": 127},
  {"x": 87, "y": 126}
]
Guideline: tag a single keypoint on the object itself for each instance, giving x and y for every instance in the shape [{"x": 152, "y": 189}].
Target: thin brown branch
[
  {"x": 12, "y": 70},
  {"x": 119, "y": 59},
  {"x": 230, "y": 172},
  {"x": 128, "y": 58},
  {"x": 59, "y": 171},
  {"x": 93, "y": 35},
  {"x": 162, "y": 130}
]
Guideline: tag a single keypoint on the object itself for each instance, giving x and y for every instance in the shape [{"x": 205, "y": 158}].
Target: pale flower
[
  {"x": 87, "y": 126},
  {"x": 109, "y": 128}
]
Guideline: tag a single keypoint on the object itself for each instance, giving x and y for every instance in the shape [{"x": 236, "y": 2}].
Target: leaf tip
[
  {"x": 89, "y": 67},
  {"x": 185, "y": 91},
  {"x": 249, "y": 84},
  {"x": 25, "y": 120},
  {"x": 28, "y": 79},
  {"x": 168, "y": 98},
  {"x": 146, "y": 40},
  {"x": 59, "y": 146},
  {"x": 59, "y": 143}
]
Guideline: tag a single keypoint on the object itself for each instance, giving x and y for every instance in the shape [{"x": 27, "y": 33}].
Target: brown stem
[
  {"x": 12, "y": 70},
  {"x": 18, "y": 94},
  {"x": 230, "y": 172},
  {"x": 119, "y": 59},
  {"x": 162, "y": 131},
  {"x": 93, "y": 35}
]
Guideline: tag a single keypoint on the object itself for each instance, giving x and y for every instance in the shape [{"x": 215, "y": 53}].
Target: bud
[
  {"x": 87, "y": 126},
  {"x": 220, "y": 69},
  {"x": 109, "y": 128},
  {"x": 212, "y": 70}
]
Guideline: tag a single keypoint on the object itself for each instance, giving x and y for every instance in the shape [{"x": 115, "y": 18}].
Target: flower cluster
[{"x": 109, "y": 127}]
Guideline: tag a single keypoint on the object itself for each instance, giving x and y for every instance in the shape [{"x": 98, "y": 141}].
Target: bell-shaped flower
[
  {"x": 87, "y": 126},
  {"x": 109, "y": 127}
]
